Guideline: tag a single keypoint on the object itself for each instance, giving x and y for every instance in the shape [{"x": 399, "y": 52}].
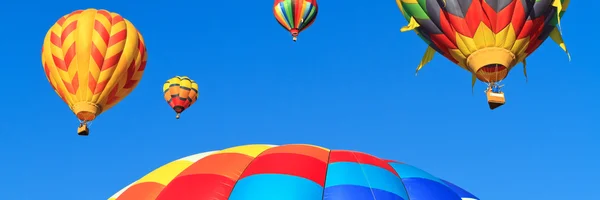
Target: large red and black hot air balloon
[{"x": 485, "y": 37}]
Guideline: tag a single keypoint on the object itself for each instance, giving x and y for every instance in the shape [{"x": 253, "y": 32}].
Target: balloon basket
[
  {"x": 83, "y": 130},
  {"x": 495, "y": 100}
]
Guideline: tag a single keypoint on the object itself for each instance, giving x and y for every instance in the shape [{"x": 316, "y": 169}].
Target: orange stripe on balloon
[
  {"x": 101, "y": 30},
  {"x": 116, "y": 38},
  {"x": 61, "y": 21},
  {"x": 68, "y": 30},
  {"x": 117, "y": 19},
  {"x": 92, "y": 82},
  {"x": 142, "y": 191},
  {"x": 95, "y": 86},
  {"x": 225, "y": 164},
  {"x": 307, "y": 150},
  {"x": 55, "y": 40},
  {"x": 100, "y": 87},
  {"x": 73, "y": 85},
  {"x": 105, "y": 14},
  {"x": 111, "y": 61},
  {"x": 97, "y": 56},
  {"x": 70, "y": 55},
  {"x": 75, "y": 13},
  {"x": 142, "y": 49},
  {"x": 59, "y": 63},
  {"x": 130, "y": 72},
  {"x": 112, "y": 96}
]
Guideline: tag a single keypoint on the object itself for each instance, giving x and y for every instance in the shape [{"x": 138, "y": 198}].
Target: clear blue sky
[{"x": 348, "y": 83}]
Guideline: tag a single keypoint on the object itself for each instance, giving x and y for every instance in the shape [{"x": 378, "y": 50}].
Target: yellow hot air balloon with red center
[
  {"x": 180, "y": 92},
  {"x": 93, "y": 59}
]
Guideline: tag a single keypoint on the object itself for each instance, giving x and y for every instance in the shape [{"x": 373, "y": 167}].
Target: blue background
[{"x": 348, "y": 83}]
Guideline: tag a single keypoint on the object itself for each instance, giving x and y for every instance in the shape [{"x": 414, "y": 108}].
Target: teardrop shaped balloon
[
  {"x": 180, "y": 92},
  {"x": 93, "y": 59},
  {"x": 486, "y": 38},
  {"x": 295, "y": 15}
]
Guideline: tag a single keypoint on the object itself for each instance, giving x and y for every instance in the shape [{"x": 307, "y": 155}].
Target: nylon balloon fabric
[
  {"x": 485, "y": 37},
  {"x": 288, "y": 172},
  {"x": 180, "y": 92},
  {"x": 295, "y": 15},
  {"x": 93, "y": 59}
]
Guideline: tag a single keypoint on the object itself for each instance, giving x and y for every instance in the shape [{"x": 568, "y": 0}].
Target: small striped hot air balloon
[
  {"x": 487, "y": 38},
  {"x": 180, "y": 93},
  {"x": 93, "y": 59},
  {"x": 295, "y": 15},
  {"x": 291, "y": 172}
]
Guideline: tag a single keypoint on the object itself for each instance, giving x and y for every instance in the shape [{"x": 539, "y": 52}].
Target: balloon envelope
[
  {"x": 291, "y": 172},
  {"x": 295, "y": 15},
  {"x": 180, "y": 92},
  {"x": 93, "y": 59},
  {"x": 487, "y": 38}
]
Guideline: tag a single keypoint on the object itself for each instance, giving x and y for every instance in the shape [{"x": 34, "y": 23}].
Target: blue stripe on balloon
[
  {"x": 287, "y": 18},
  {"x": 461, "y": 192},
  {"x": 407, "y": 171},
  {"x": 354, "y": 192},
  {"x": 369, "y": 176},
  {"x": 426, "y": 189},
  {"x": 276, "y": 187}
]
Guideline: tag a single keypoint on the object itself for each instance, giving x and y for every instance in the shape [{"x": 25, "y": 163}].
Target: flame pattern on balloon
[
  {"x": 93, "y": 59},
  {"x": 180, "y": 93},
  {"x": 291, "y": 172},
  {"x": 295, "y": 15},
  {"x": 485, "y": 37}
]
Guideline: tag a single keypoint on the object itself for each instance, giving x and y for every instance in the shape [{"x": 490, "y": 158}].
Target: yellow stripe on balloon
[
  {"x": 251, "y": 150},
  {"x": 85, "y": 29}
]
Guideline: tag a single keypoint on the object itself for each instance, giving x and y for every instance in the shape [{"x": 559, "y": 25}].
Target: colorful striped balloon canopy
[{"x": 289, "y": 172}]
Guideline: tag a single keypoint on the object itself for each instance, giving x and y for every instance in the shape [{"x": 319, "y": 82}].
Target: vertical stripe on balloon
[
  {"x": 287, "y": 172},
  {"x": 359, "y": 176}
]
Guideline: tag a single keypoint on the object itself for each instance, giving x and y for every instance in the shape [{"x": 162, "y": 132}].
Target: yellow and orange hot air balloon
[
  {"x": 93, "y": 59},
  {"x": 180, "y": 93}
]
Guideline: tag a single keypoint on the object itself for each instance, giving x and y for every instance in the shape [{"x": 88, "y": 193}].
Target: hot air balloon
[
  {"x": 292, "y": 172},
  {"x": 295, "y": 15},
  {"x": 487, "y": 38},
  {"x": 93, "y": 59},
  {"x": 180, "y": 93}
]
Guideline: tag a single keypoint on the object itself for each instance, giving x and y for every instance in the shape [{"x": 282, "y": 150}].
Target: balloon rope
[{"x": 365, "y": 175}]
